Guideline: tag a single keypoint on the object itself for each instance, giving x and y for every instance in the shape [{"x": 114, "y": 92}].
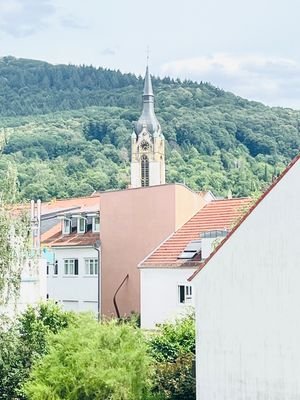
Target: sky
[{"x": 249, "y": 47}]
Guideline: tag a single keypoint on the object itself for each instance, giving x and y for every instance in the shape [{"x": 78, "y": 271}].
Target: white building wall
[
  {"x": 135, "y": 174},
  {"x": 76, "y": 293},
  {"x": 32, "y": 288},
  {"x": 154, "y": 173},
  {"x": 247, "y": 305},
  {"x": 160, "y": 297}
]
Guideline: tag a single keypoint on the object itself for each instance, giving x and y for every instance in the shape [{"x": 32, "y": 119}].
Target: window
[
  {"x": 55, "y": 268},
  {"x": 96, "y": 224},
  {"x": 91, "y": 266},
  {"x": 81, "y": 227},
  {"x": 48, "y": 268},
  {"x": 71, "y": 266},
  {"x": 66, "y": 226},
  {"x": 184, "y": 294},
  {"x": 144, "y": 170}
]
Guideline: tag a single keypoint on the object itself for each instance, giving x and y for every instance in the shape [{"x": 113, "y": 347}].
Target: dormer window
[
  {"x": 81, "y": 225},
  {"x": 96, "y": 223},
  {"x": 66, "y": 226}
]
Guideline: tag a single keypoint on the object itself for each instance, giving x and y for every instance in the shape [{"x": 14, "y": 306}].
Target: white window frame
[
  {"x": 66, "y": 226},
  {"x": 94, "y": 227},
  {"x": 70, "y": 268},
  {"x": 79, "y": 219},
  {"x": 187, "y": 295},
  {"x": 91, "y": 266}
]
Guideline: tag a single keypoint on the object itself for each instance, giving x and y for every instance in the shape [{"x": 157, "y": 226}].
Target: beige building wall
[
  {"x": 187, "y": 203},
  {"x": 133, "y": 223}
]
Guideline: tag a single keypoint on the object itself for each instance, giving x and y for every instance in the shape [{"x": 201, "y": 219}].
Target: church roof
[
  {"x": 218, "y": 214},
  {"x": 148, "y": 118},
  {"x": 148, "y": 91}
]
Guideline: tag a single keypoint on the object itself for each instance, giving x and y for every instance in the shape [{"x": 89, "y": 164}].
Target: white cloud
[
  {"x": 19, "y": 18},
  {"x": 272, "y": 80},
  {"x": 108, "y": 51}
]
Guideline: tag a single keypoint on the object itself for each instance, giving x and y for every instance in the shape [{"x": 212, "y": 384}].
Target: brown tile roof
[
  {"x": 245, "y": 216},
  {"x": 54, "y": 237},
  {"x": 74, "y": 239},
  {"x": 90, "y": 203},
  {"x": 218, "y": 214}
]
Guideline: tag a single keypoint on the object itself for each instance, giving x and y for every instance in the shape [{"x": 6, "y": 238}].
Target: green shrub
[
  {"x": 88, "y": 361},
  {"x": 175, "y": 380},
  {"x": 174, "y": 339},
  {"x": 173, "y": 349},
  {"x": 25, "y": 340}
]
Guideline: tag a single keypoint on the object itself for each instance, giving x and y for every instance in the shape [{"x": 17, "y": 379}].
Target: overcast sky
[{"x": 250, "y": 47}]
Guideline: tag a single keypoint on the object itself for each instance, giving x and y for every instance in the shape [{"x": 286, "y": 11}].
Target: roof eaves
[{"x": 142, "y": 263}]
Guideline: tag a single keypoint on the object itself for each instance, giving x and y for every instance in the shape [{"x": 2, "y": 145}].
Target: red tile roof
[
  {"x": 89, "y": 203},
  {"x": 245, "y": 216},
  {"x": 54, "y": 237},
  {"x": 218, "y": 214}
]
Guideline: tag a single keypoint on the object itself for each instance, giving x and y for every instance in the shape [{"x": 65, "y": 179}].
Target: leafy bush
[
  {"x": 174, "y": 340},
  {"x": 175, "y": 380},
  {"x": 88, "y": 361},
  {"x": 24, "y": 341},
  {"x": 173, "y": 348}
]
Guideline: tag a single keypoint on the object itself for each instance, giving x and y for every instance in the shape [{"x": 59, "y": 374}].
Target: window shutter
[
  {"x": 76, "y": 267},
  {"x": 181, "y": 294}
]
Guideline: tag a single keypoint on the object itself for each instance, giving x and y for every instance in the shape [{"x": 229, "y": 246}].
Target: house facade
[
  {"x": 113, "y": 230},
  {"x": 166, "y": 293},
  {"x": 247, "y": 296},
  {"x": 132, "y": 223},
  {"x": 71, "y": 237}
]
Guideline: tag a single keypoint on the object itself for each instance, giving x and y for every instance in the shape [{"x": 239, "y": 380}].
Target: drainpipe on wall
[
  {"x": 115, "y": 296},
  {"x": 97, "y": 247}
]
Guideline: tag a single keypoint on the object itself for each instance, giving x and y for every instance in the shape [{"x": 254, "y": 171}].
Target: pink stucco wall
[{"x": 133, "y": 223}]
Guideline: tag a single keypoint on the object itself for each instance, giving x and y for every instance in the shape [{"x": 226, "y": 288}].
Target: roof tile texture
[{"x": 218, "y": 214}]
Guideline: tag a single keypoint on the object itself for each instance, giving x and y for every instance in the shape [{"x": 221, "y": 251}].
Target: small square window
[
  {"x": 91, "y": 266},
  {"x": 67, "y": 227},
  {"x": 96, "y": 224},
  {"x": 70, "y": 267},
  {"x": 184, "y": 294},
  {"x": 81, "y": 226}
]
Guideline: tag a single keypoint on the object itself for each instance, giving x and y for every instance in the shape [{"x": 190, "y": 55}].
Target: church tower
[{"x": 147, "y": 144}]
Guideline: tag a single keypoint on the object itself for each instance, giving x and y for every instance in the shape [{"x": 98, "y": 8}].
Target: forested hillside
[{"x": 66, "y": 131}]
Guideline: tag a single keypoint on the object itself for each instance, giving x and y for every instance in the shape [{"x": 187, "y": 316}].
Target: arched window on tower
[{"x": 144, "y": 170}]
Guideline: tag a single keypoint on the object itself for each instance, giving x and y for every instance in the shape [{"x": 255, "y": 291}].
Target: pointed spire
[
  {"x": 148, "y": 91},
  {"x": 147, "y": 118}
]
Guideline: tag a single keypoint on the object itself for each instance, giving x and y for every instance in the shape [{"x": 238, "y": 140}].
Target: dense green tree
[
  {"x": 89, "y": 361},
  {"x": 173, "y": 349},
  {"x": 24, "y": 341},
  {"x": 222, "y": 141}
]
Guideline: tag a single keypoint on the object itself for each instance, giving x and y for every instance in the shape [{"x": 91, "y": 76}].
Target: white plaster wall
[
  {"x": 247, "y": 305},
  {"x": 159, "y": 295},
  {"x": 135, "y": 174},
  {"x": 76, "y": 293},
  {"x": 154, "y": 173},
  {"x": 33, "y": 285},
  {"x": 32, "y": 288}
]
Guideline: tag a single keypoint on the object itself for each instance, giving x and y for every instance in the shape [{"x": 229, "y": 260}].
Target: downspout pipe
[{"x": 115, "y": 296}]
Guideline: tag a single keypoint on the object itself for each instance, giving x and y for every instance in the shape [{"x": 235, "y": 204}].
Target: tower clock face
[{"x": 145, "y": 145}]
